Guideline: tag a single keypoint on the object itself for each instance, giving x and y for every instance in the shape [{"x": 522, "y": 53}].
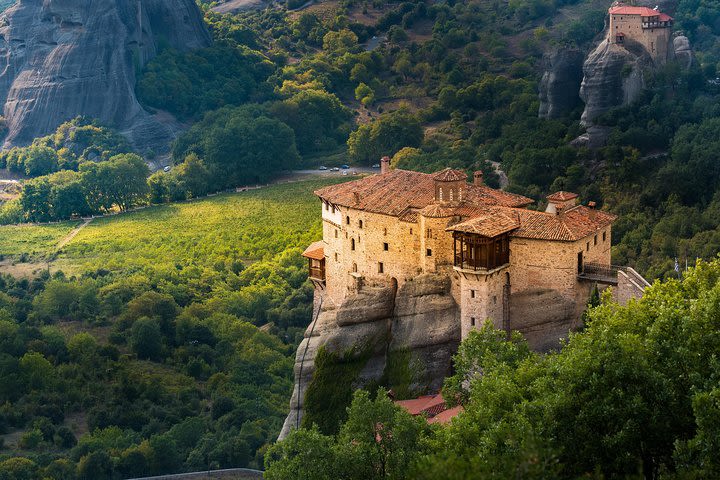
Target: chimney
[
  {"x": 591, "y": 206},
  {"x": 478, "y": 178},
  {"x": 559, "y": 201},
  {"x": 385, "y": 164}
]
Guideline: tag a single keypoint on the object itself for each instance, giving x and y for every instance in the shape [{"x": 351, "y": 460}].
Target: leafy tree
[
  {"x": 385, "y": 136},
  {"x": 146, "y": 339}
]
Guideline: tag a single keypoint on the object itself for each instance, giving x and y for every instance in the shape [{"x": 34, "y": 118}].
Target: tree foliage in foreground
[{"x": 635, "y": 395}]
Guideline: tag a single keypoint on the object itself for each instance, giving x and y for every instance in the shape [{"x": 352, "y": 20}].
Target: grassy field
[
  {"x": 237, "y": 227},
  {"x": 243, "y": 227},
  {"x": 32, "y": 240}
]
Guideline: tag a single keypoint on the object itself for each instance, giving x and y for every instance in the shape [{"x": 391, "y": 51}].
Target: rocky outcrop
[
  {"x": 683, "y": 53},
  {"x": 560, "y": 83},
  {"x": 612, "y": 76},
  {"x": 63, "y": 58},
  {"x": 421, "y": 320}
]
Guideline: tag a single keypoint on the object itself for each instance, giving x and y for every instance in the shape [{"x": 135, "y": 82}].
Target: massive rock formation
[
  {"x": 560, "y": 83},
  {"x": 64, "y": 58},
  {"x": 612, "y": 77},
  {"x": 421, "y": 319}
]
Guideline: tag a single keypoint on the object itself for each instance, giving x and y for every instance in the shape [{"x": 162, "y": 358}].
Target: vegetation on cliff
[{"x": 635, "y": 395}]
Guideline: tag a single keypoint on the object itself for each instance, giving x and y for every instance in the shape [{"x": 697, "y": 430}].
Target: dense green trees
[
  {"x": 378, "y": 440},
  {"x": 118, "y": 182}
]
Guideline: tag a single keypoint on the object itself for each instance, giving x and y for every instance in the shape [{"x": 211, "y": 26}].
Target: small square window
[
  {"x": 428, "y": 252},
  {"x": 381, "y": 267},
  {"x": 472, "y": 293},
  {"x": 386, "y": 247},
  {"x": 472, "y": 321}
]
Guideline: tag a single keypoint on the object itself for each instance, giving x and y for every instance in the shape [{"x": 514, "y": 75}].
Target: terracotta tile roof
[
  {"x": 427, "y": 404},
  {"x": 450, "y": 175},
  {"x": 664, "y": 17},
  {"x": 395, "y": 192},
  {"x": 316, "y": 251},
  {"x": 571, "y": 225},
  {"x": 491, "y": 223},
  {"x": 435, "y": 210},
  {"x": 443, "y": 418},
  {"x": 562, "y": 196},
  {"x": 630, "y": 10}
]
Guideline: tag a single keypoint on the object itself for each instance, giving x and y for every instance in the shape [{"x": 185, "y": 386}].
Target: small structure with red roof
[
  {"x": 432, "y": 407},
  {"x": 648, "y": 27}
]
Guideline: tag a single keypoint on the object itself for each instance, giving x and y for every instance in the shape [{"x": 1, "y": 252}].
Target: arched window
[
  {"x": 352, "y": 244},
  {"x": 360, "y": 223},
  {"x": 354, "y": 267}
]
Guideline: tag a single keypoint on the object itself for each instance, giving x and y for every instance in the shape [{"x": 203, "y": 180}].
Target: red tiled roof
[
  {"x": 316, "y": 251},
  {"x": 491, "y": 223},
  {"x": 445, "y": 417},
  {"x": 397, "y": 191},
  {"x": 630, "y": 10},
  {"x": 450, "y": 175},
  {"x": 562, "y": 196},
  {"x": 664, "y": 17},
  {"x": 437, "y": 211},
  {"x": 571, "y": 225},
  {"x": 427, "y": 404}
]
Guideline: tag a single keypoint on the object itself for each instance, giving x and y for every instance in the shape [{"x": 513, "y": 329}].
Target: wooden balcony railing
[{"x": 317, "y": 273}]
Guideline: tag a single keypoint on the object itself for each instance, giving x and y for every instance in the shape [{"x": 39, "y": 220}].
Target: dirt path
[{"x": 72, "y": 234}]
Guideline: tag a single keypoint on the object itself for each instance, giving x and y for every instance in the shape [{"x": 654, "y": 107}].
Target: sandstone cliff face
[
  {"x": 421, "y": 318},
  {"x": 560, "y": 82},
  {"x": 612, "y": 77},
  {"x": 64, "y": 58}
]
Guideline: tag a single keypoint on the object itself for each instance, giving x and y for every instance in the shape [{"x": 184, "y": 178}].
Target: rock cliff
[
  {"x": 560, "y": 82},
  {"x": 420, "y": 322},
  {"x": 64, "y": 58}
]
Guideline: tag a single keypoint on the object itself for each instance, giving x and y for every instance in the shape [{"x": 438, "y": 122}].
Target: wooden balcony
[
  {"x": 480, "y": 254},
  {"x": 317, "y": 273}
]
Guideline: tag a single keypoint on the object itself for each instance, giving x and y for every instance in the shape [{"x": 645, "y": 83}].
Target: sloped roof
[
  {"x": 490, "y": 223},
  {"x": 571, "y": 225},
  {"x": 316, "y": 251},
  {"x": 562, "y": 196},
  {"x": 443, "y": 418},
  {"x": 427, "y": 404},
  {"x": 397, "y": 191},
  {"x": 450, "y": 175},
  {"x": 630, "y": 10}
]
